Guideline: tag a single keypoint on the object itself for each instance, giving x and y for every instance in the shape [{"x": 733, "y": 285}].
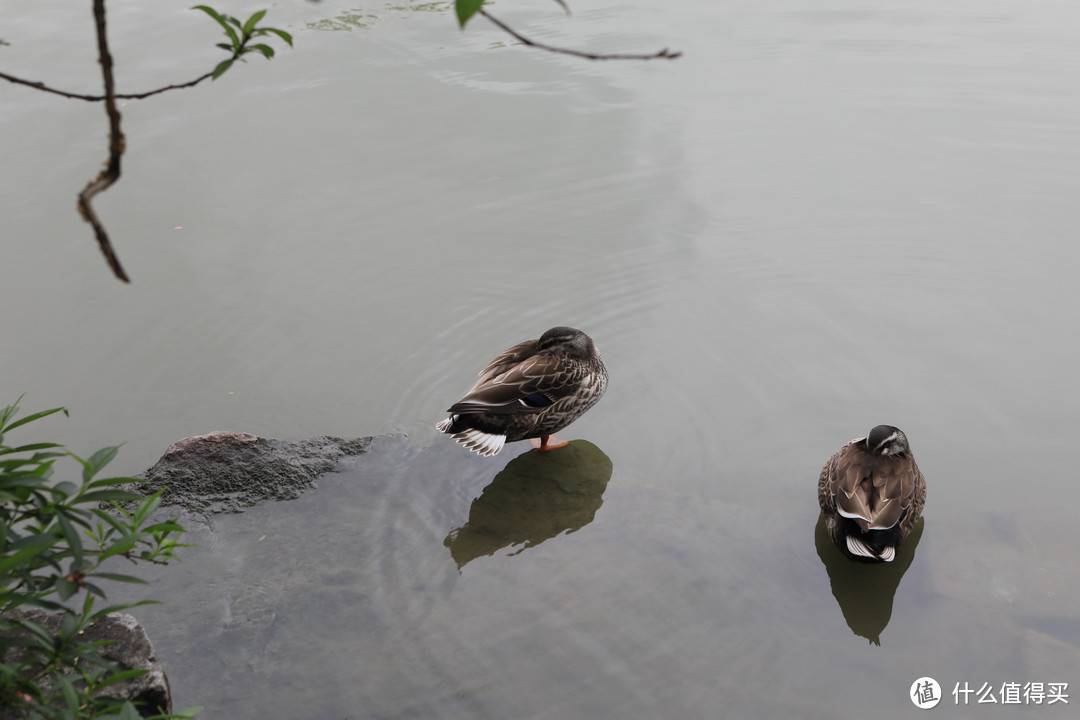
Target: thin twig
[
  {"x": 98, "y": 98},
  {"x": 664, "y": 54},
  {"x": 116, "y": 148}
]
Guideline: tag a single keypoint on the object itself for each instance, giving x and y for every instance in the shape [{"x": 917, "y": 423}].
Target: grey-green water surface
[{"x": 825, "y": 216}]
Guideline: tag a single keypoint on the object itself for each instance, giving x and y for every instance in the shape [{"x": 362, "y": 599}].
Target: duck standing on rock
[
  {"x": 871, "y": 493},
  {"x": 532, "y": 390}
]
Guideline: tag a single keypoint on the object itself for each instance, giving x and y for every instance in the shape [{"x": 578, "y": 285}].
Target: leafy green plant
[
  {"x": 56, "y": 537},
  {"x": 240, "y": 35}
]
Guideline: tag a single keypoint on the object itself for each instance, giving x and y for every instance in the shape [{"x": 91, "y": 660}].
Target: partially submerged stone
[{"x": 226, "y": 471}]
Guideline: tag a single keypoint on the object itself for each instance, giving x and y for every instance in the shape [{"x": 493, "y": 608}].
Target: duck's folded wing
[
  {"x": 874, "y": 494},
  {"x": 527, "y": 387},
  {"x": 894, "y": 488},
  {"x": 507, "y": 360},
  {"x": 852, "y": 491}
]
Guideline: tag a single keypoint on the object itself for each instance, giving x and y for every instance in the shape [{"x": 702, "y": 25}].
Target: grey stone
[{"x": 226, "y": 471}]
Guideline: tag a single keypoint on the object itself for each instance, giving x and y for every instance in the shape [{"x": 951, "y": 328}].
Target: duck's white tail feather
[
  {"x": 856, "y": 546},
  {"x": 481, "y": 443}
]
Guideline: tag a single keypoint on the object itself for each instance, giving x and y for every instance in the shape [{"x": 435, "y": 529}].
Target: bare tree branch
[
  {"x": 98, "y": 98},
  {"x": 662, "y": 54},
  {"x": 116, "y": 148}
]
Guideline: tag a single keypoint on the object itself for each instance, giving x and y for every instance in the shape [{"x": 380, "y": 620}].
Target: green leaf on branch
[
  {"x": 97, "y": 461},
  {"x": 222, "y": 20},
  {"x": 266, "y": 50},
  {"x": 252, "y": 22},
  {"x": 280, "y": 33},
  {"x": 117, "y": 577},
  {"x": 465, "y": 9},
  {"x": 109, "y": 496},
  {"x": 238, "y": 44},
  {"x": 221, "y": 68},
  {"x": 31, "y": 418}
]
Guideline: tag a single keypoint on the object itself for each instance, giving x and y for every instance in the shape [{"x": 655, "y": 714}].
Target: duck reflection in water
[
  {"x": 537, "y": 496},
  {"x": 865, "y": 591}
]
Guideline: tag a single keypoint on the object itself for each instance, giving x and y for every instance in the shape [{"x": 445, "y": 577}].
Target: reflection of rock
[
  {"x": 536, "y": 496},
  {"x": 127, "y": 645},
  {"x": 865, "y": 591},
  {"x": 226, "y": 472}
]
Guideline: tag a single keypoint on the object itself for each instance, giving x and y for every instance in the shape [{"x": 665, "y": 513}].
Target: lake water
[{"x": 825, "y": 216}]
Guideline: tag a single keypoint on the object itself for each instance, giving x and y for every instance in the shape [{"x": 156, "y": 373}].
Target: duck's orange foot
[{"x": 548, "y": 442}]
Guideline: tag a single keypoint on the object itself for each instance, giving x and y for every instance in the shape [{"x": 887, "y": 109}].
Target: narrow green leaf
[
  {"x": 29, "y": 548},
  {"x": 65, "y": 489},
  {"x": 222, "y": 20},
  {"x": 121, "y": 608},
  {"x": 117, "y": 577},
  {"x": 92, "y": 589},
  {"x": 114, "y": 522},
  {"x": 280, "y": 33},
  {"x": 119, "y": 547},
  {"x": 147, "y": 507},
  {"x": 33, "y": 446},
  {"x": 35, "y": 416},
  {"x": 30, "y": 602},
  {"x": 17, "y": 481},
  {"x": 105, "y": 482},
  {"x": 564, "y": 6},
  {"x": 65, "y": 588},
  {"x": 266, "y": 50},
  {"x": 99, "y": 460},
  {"x": 170, "y": 526},
  {"x": 67, "y": 625},
  {"x": 70, "y": 696},
  {"x": 128, "y": 712},
  {"x": 109, "y": 495},
  {"x": 221, "y": 68},
  {"x": 120, "y": 677},
  {"x": 88, "y": 605},
  {"x": 465, "y": 9},
  {"x": 209, "y": 11},
  {"x": 253, "y": 21},
  {"x": 38, "y": 630},
  {"x": 9, "y": 411},
  {"x": 74, "y": 539}
]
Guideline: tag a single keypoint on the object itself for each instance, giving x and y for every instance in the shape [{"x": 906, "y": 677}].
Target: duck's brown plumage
[
  {"x": 871, "y": 493},
  {"x": 531, "y": 390}
]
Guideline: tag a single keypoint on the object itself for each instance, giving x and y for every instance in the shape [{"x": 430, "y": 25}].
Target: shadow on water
[
  {"x": 535, "y": 497},
  {"x": 865, "y": 591}
]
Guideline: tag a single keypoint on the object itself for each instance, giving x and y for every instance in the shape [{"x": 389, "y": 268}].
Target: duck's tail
[
  {"x": 481, "y": 443},
  {"x": 859, "y": 548}
]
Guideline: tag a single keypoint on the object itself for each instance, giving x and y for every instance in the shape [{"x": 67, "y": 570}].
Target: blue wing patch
[{"x": 536, "y": 400}]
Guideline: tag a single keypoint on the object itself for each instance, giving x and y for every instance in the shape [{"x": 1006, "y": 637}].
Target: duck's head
[
  {"x": 573, "y": 342},
  {"x": 887, "y": 440}
]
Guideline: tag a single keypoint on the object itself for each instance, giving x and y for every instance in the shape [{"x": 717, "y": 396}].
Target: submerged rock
[{"x": 226, "y": 471}]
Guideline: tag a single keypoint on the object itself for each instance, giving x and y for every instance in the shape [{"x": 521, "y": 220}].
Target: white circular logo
[{"x": 925, "y": 693}]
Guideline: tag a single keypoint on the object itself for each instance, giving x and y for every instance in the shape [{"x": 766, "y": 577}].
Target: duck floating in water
[
  {"x": 532, "y": 390},
  {"x": 871, "y": 493}
]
